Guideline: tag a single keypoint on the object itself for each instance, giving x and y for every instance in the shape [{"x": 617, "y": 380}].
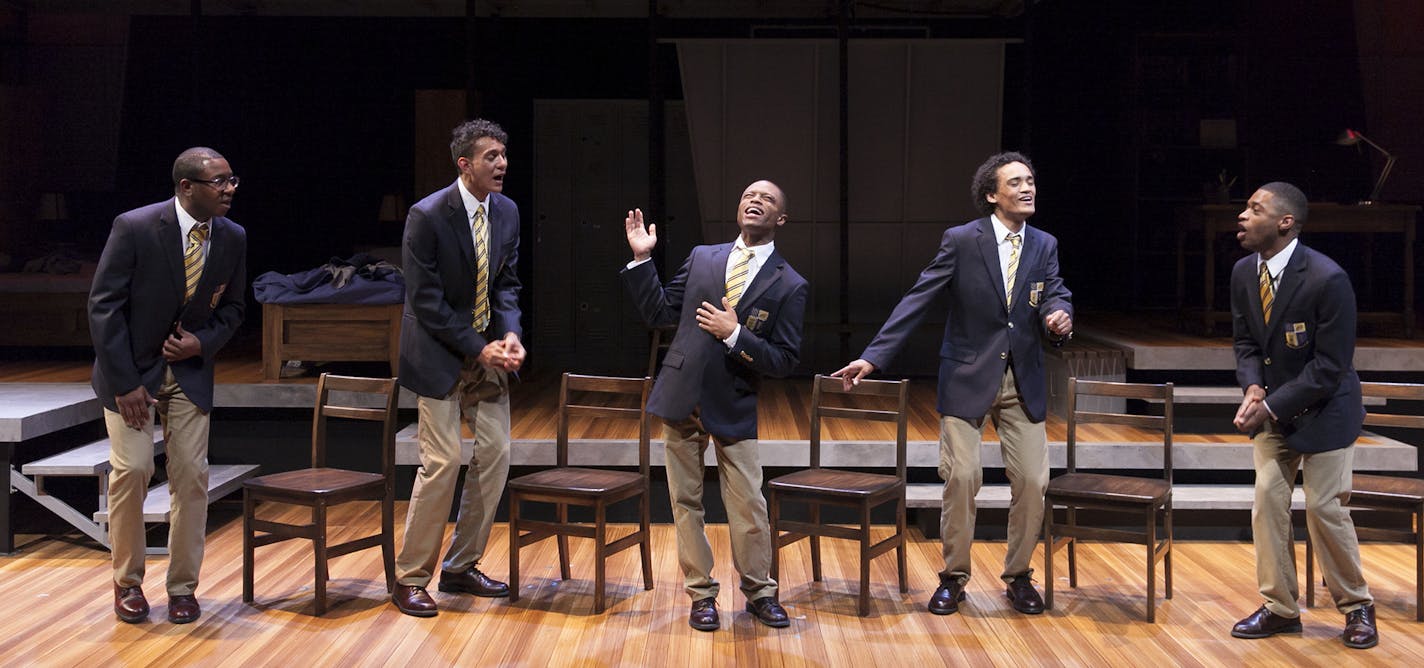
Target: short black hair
[
  {"x": 464, "y": 136},
  {"x": 986, "y": 178},
  {"x": 1288, "y": 199},
  {"x": 191, "y": 163}
]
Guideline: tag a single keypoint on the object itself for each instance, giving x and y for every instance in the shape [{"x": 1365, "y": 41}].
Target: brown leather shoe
[
  {"x": 472, "y": 581},
  {"x": 947, "y": 597},
  {"x": 1263, "y": 624},
  {"x": 768, "y": 611},
  {"x": 414, "y": 601},
  {"x": 130, "y": 605},
  {"x": 704, "y": 615},
  {"x": 1023, "y": 596},
  {"x": 1360, "y": 631},
  {"x": 183, "y": 609}
]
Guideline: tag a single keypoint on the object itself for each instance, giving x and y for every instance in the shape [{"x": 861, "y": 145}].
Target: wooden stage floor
[{"x": 59, "y": 612}]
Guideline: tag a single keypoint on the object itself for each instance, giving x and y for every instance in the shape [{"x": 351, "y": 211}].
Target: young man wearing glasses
[{"x": 167, "y": 295}]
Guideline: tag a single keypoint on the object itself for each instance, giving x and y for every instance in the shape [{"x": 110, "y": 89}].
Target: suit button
[
  {"x": 1268, "y": 361},
  {"x": 1011, "y": 325},
  {"x": 1003, "y": 356}
]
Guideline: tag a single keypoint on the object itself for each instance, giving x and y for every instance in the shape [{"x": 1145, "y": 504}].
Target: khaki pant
[
  {"x": 1024, "y": 444},
  {"x": 185, "y": 435},
  {"x": 481, "y": 399},
  {"x": 1327, "y": 481},
  {"x": 739, "y": 470}
]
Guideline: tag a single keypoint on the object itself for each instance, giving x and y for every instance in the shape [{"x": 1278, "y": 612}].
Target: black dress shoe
[
  {"x": 472, "y": 581},
  {"x": 1263, "y": 624},
  {"x": 704, "y": 615},
  {"x": 129, "y": 604},
  {"x": 1360, "y": 631},
  {"x": 414, "y": 601},
  {"x": 947, "y": 597},
  {"x": 183, "y": 609},
  {"x": 1023, "y": 596},
  {"x": 769, "y": 612}
]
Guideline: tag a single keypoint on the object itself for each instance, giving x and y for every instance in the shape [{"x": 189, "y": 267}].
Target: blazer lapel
[
  {"x": 170, "y": 239},
  {"x": 1291, "y": 277},
  {"x": 989, "y": 250},
  {"x": 459, "y": 221},
  {"x": 715, "y": 277},
  {"x": 769, "y": 274}
]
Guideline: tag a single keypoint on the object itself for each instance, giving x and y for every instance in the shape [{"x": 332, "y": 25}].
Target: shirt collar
[
  {"x": 1277, "y": 264},
  {"x": 1001, "y": 232},
  {"x": 471, "y": 204},
  {"x": 761, "y": 252},
  {"x": 186, "y": 221}
]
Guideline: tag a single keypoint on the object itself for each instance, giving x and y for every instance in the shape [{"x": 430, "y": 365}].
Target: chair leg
[
  {"x": 646, "y": 546},
  {"x": 388, "y": 540},
  {"x": 319, "y": 548},
  {"x": 1309, "y": 569},
  {"x": 513, "y": 546},
  {"x": 864, "y": 559},
  {"x": 1419, "y": 563},
  {"x": 773, "y": 507},
  {"x": 249, "y": 506},
  {"x": 600, "y": 554},
  {"x": 815, "y": 542},
  {"x": 563, "y": 543},
  {"x": 1048, "y": 556},
  {"x": 1072, "y": 549},
  {"x": 900, "y": 545},
  {"x": 1151, "y": 565},
  {"x": 1167, "y": 558}
]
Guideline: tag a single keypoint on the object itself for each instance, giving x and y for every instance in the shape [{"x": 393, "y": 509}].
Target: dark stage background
[{"x": 320, "y": 115}]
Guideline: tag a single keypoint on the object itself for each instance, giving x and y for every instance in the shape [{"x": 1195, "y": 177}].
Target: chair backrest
[
  {"x": 826, "y": 386},
  {"x": 636, "y": 388},
  {"x": 1149, "y": 392},
  {"x": 1401, "y": 391},
  {"x": 351, "y": 406}
]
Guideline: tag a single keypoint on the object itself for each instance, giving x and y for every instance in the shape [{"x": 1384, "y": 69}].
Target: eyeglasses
[{"x": 220, "y": 181}]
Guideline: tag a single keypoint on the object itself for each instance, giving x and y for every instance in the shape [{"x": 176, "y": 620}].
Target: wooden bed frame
[{"x": 329, "y": 333}]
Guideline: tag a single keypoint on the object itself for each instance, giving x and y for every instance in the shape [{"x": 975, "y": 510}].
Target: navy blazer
[
  {"x": 699, "y": 371},
  {"x": 438, "y": 259},
  {"x": 1305, "y": 357},
  {"x": 982, "y": 334},
  {"x": 137, "y": 295}
]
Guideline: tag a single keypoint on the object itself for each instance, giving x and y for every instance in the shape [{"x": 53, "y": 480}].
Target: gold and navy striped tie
[
  {"x": 481, "y": 315},
  {"x": 1014, "y": 239},
  {"x": 193, "y": 260},
  {"x": 737, "y": 279},
  {"x": 1268, "y": 293}
]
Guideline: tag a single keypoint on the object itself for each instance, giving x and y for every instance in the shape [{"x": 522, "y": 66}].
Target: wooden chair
[
  {"x": 1150, "y": 496},
  {"x": 816, "y": 486},
  {"x": 565, "y": 485},
  {"x": 320, "y": 488},
  {"x": 1390, "y": 494}
]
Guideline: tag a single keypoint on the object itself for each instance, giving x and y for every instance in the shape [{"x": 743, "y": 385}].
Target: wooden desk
[
  {"x": 1213, "y": 221},
  {"x": 329, "y": 333}
]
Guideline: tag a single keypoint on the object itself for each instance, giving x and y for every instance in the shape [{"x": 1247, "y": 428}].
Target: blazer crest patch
[
  {"x": 217, "y": 294},
  {"x": 1296, "y": 336},
  {"x": 756, "y": 319},
  {"x": 1035, "y": 293}
]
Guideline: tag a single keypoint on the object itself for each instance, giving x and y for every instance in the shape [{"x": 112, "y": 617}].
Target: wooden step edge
[
  {"x": 223, "y": 479},
  {"x": 1184, "y": 497},
  {"x": 88, "y": 459}
]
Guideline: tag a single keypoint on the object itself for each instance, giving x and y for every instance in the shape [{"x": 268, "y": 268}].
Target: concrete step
[
  {"x": 91, "y": 459},
  {"x": 1372, "y": 453},
  {"x": 223, "y": 479},
  {"x": 1184, "y": 497}
]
